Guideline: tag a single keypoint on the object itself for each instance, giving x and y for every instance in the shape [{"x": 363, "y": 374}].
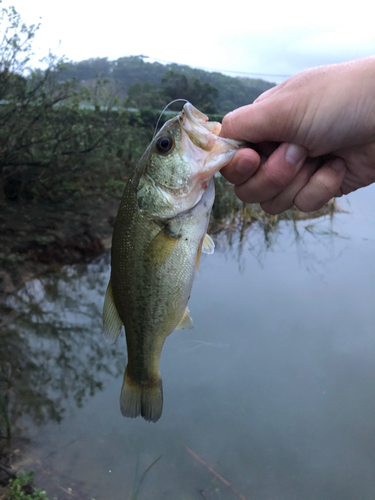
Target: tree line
[
  {"x": 69, "y": 125},
  {"x": 225, "y": 92}
]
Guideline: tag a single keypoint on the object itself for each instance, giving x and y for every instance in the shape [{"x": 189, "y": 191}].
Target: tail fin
[{"x": 137, "y": 400}]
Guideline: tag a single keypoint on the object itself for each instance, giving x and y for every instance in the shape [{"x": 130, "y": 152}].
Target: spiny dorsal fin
[
  {"x": 112, "y": 322},
  {"x": 208, "y": 245},
  {"x": 186, "y": 321},
  {"x": 161, "y": 247}
]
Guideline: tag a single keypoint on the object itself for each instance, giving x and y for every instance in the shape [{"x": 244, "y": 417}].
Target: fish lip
[
  {"x": 198, "y": 119},
  {"x": 190, "y": 118},
  {"x": 193, "y": 114}
]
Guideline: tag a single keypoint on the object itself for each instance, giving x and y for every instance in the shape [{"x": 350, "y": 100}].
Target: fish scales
[{"x": 158, "y": 236}]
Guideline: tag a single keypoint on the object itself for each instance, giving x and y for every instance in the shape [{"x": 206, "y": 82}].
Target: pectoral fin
[
  {"x": 186, "y": 321},
  {"x": 208, "y": 245},
  {"x": 112, "y": 322},
  {"x": 161, "y": 247}
]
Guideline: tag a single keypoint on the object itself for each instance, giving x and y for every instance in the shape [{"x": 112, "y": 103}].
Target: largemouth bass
[{"x": 159, "y": 234}]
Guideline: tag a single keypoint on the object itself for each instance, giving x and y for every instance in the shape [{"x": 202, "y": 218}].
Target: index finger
[
  {"x": 274, "y": 175},
  {"x": 270, "y": 119}
]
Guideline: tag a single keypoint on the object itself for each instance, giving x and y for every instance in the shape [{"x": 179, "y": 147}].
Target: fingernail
[{"x": 295, "y": 154}]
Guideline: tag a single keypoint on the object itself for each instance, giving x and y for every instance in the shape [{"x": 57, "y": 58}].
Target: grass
[
  {"x": 232, "y": 217},
  {"x": 21, "y": 488},
  {"x": 138, "y": 482}
]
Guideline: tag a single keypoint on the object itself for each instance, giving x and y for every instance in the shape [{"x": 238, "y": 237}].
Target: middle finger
[{"x": 274, "y": 175}]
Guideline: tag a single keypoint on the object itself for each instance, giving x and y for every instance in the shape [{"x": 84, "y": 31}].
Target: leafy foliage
[
  {"x": 174, "y": 85},
  {"x": 144, "y": 94},
  {"x": 28, "y": 98},
  {"x": 62, "y": 128},
  {"x": 58, "y": 136},
  {"x": 55, "y": 133},
  {"x": 21, "y": 488},
  {"x": 177, "y": 86},
  {"x": 16, "y": 39}
]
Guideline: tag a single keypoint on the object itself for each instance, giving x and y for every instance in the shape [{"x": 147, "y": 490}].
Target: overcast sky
[{"x": 278, "y": 37}]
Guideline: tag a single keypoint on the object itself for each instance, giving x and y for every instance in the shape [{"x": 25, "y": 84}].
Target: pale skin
[{"x": 313, "y": 136}]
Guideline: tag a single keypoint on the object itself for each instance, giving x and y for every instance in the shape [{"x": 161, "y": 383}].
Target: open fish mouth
[
  {"x": 200, "y": 130},
  {"x": 203, "y": 132},
  {"x": 199, "y": 119},
  {"x": 172, "y": 180}
]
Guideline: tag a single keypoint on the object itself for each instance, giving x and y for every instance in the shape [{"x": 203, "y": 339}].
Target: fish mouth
[
  {"x": 199, "y": 119},
  {"x": 200, "y": 130},
  {"x": 211, "y": 151}
]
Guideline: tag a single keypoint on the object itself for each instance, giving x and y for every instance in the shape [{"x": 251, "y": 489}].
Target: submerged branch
[{"x": 216, "y": 474}]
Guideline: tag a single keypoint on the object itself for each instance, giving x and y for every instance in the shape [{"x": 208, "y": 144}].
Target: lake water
[{"x": 274, "y": 389}]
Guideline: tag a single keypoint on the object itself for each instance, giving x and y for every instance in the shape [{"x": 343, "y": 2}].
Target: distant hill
[{"x": 127, "y": 71}]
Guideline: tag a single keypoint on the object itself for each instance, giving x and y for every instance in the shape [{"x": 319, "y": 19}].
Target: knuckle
[
  {"x": 326, "y": 183},
  {"x": 270, "y": 208},
  {"x": 311, "y": 203},
  {"x": 306, "y": 203},
  {"x": 245, "y": 194}
]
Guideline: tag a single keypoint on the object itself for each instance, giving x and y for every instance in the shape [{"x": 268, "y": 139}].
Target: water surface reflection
[{"x": 274, "y": 389}]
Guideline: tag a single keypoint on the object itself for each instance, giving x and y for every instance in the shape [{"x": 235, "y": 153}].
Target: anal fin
[
  {"x": 112, "y": 322},
  {"x": 186, "y": 321}
]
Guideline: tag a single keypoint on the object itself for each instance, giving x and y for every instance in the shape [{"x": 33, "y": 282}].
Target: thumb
[{"x": 264, "y": 120}]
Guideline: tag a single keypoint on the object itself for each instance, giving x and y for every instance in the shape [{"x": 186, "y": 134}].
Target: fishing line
[{"x": 161, "y": 114}]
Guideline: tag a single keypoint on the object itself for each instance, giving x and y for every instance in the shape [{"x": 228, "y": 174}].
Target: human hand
[{"x": 314, "y": 136}]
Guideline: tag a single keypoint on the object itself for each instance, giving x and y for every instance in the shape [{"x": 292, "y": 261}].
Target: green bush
[{"x": 21, "y": 488}]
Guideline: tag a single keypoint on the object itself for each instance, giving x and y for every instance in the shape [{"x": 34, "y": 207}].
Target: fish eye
[{"x": 164, "y": 144}]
